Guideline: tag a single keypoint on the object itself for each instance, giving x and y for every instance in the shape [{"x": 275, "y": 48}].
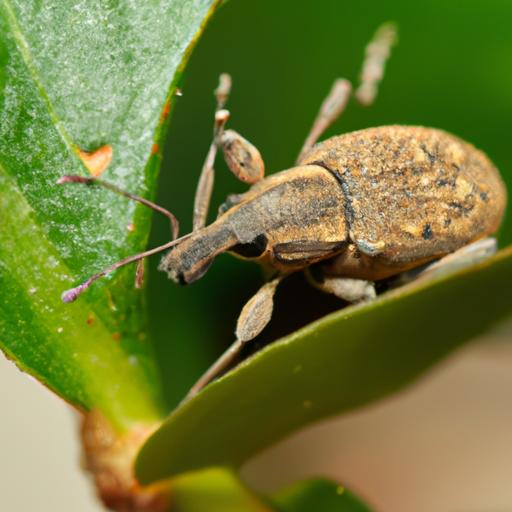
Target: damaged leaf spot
[
  {"x": 97, "y": 161},
  {"x": 165, "y": 111}
]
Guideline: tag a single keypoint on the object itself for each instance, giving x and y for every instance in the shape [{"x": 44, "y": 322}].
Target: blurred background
[
  {"x": 451, "y": 69},
  {"x": 443, "y": 444}
]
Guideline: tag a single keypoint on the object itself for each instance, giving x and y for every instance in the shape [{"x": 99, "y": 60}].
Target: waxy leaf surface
[{"x": 78, "y": 74}]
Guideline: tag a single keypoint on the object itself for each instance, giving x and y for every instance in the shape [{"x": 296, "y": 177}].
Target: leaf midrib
[{"x": 26, "y": 56}]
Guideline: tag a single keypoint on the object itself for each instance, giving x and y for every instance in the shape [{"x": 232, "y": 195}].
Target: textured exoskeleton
[
  {"x": 371, "y": 204},
  {"x": 363, "y": 207}
]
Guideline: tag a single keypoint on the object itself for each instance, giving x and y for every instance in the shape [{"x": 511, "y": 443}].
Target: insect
[{"x": 356, "y": 209}]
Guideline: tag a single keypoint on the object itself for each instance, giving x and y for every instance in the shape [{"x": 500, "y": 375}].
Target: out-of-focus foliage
[{"x": 318, "y": 494}]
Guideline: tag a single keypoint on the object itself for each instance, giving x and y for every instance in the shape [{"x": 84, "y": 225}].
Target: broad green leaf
[
  {"x": 80, "y": 74},
  {"x": 320, "y": 495},
  {"x": 347, "y": 359}
]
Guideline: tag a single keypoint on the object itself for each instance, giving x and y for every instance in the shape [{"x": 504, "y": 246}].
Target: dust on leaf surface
[{"x": 78, "y": 75}]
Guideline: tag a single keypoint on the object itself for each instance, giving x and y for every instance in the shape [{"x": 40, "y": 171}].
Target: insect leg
[
  {"x": 72, "y": 294},
  {"x": 253, "y": 319},
  {"x": 216, "y": 369},
  {"x": 206, "y": 179},
  {"x": 377, "y": 53},
  {"x": 331, "y": 108},
  {"x": 242, "y": 158},
  {"x": 464, "y": 257},
  {"x": 346, "y": 288}
]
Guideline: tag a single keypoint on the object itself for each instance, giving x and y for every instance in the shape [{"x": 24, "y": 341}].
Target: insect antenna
[
  {"x": 73, "y": 293},
  {"x": 175, "y": 226}
]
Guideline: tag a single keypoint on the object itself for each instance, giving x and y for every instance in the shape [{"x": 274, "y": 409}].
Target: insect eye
[{"x": 252, "y": 249}]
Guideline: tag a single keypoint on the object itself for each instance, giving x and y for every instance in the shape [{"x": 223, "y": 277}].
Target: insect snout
[
  {"x": 184, "y": 267},
  {"x": 190, "y": 260}
]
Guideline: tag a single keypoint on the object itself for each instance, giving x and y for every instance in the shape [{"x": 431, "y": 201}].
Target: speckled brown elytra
[{"x": 377, "y": 204}]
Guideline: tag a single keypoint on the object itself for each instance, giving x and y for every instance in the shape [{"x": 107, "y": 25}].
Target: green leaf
[
  {"x": 320, "y": 495},
  {"x": 219, "y": 489},
  {"x": 214, "y": 490},
  {"x": 349, "y": 358},
  {"x": 80, "y": 75}
]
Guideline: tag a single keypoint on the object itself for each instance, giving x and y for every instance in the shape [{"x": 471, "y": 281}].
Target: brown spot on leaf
[
  {"x": 165, "y": 111},
  {"x": 96, "y": 161}
]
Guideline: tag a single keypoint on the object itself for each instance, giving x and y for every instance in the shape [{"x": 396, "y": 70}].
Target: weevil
[{"x": 391, "y": 202}]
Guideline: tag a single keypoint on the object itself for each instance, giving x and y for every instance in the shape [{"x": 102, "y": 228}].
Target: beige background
[{"x": 444, "y": 445}]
